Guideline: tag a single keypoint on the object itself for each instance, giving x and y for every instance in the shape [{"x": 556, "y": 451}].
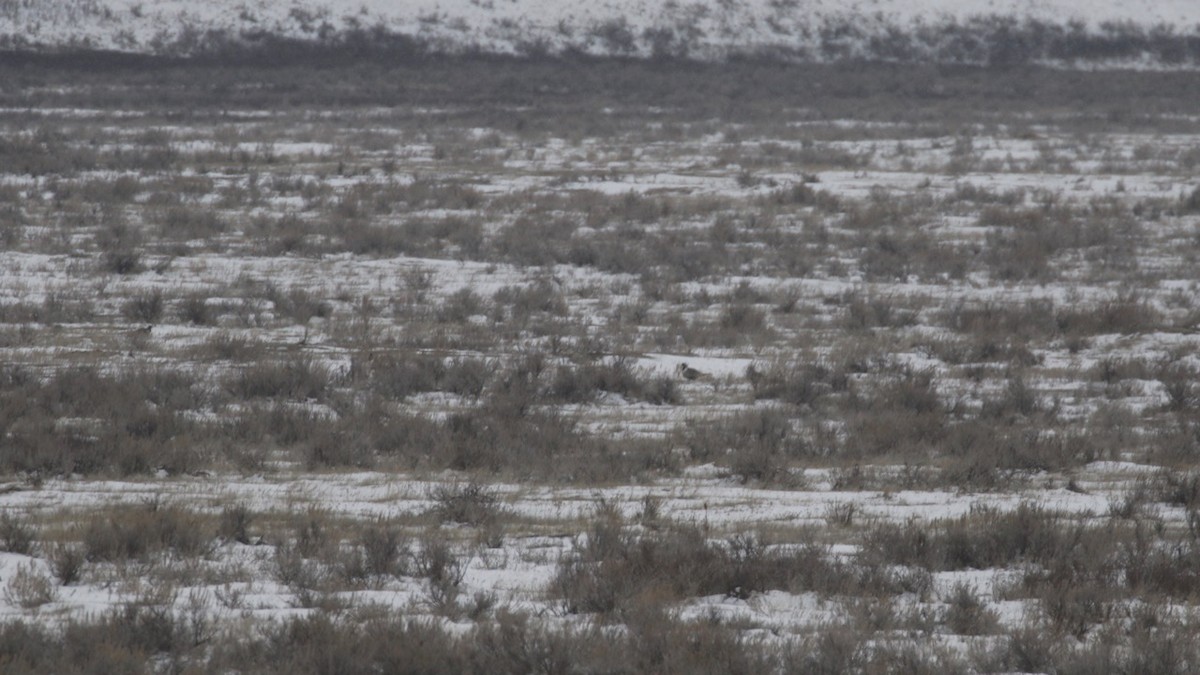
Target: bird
[
  {"x": 164, "y": 264},
  {"x": 138, "y": 336},
  {"x": 136, "y": 339},
  {"x": 753, "y": 375},
  {"x": 691, "y": 374}
]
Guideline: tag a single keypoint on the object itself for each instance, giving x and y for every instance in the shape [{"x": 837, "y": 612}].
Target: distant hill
[{"x": 1067, "y": 33}]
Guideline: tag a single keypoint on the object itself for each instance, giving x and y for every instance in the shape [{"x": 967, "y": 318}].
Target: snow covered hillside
[{"x": 1141, "y": 32}]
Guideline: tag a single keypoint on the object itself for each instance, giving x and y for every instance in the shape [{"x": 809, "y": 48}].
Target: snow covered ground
[
  {"x": 622, "y": 27},
  {"x": 949, "y": 353},
  {"x": 544, "y": 524}
]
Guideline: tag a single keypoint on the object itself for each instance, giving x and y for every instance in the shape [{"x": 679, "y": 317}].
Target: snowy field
[
  {"x": 1141, "y": 33},
  {"x": 616, "y": 367}
]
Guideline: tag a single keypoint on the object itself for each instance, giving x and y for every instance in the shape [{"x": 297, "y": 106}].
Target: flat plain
[{"x": 376, "y": 367}]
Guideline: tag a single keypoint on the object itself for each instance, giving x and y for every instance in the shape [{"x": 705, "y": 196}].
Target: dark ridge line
[
  {"x": 996, "y": 42},
  {"x": 101, "y": 60}
]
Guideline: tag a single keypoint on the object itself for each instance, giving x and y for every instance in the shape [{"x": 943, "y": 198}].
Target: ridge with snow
[{"x": 1163, "y": 32}]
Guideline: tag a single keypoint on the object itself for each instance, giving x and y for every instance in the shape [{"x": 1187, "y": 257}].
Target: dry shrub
[
  {"x": 835, "y": 650},
  {"x": 1180, "y": 385},
  {"x": 982, "y": 539},
  {"x": 460, "y": 306},
  {"x": 16, "y": 536},
  {"x": 987, "y": 456},
  {"x": 227, "y": 346},
  {"x": 584, "y": 383},
  {"x": 280, "y": 424},
  {"x": 507, "y": 432},
  {"x": 339, "y": 444},
  {"x": 864, "y": 313},
  {"x": 120, "y": 249},
  {"x": 466, "y": 503},
  {"x": 1042, "y": 319},
  {"x": 298, "y": 304},
  {"x": 145, "y": 307},
  {"x": 129, "y": 422},
  {"x": 191, "y": 222},
  {"x": 903, "y": 416},
  {"x": 30, "y": 588},
  {"x": 1075, "y": 608},
  {"x": 437, "y": 562},
  {"x": 1125, "y": 314},
  {"x": 542, "y": 298},
  {"x": 385, "y": 549},
  {"x": 297, "y": 378},
  {"x": 421, "y": 236},
  {"x": 739, "y": 322},
  {"x": 234, "y": 523},
  {"x": 137, "y": 532},
  {"x": 277, "y": 236},
  {"x": 968, "y": 614},
  {"x": 613, "y": 568},
  {"x": 1017, "y": 400},
  {"x": 757, "y": 445},
  {"x": 1176, "y": 488},
  {"x": 662, "y": 643},
  {"x": 1112, "y": 369},
  {"x": 67, "y": 561},
  {"x": 544, "y": 444},
  {"x": 515, "y": 643},
  {"x": 402, "y": 374},
  {"x": 95, "y": 646},
  {"x": 1148, "y": 568},
  {"x": 303, "y": 576},
  {"x": 896, "y": 255},
  {"x": 301, "y": 645},
  {"x": 536, "y": 242},
  {"x": 798, "y": 383},
  {"x": 196, "y": 310},
  {"x": 107, "y": 191}
]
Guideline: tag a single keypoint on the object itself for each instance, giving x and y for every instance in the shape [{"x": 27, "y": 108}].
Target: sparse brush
[
  {"x": 146, "y": 307},
  {"x": 297, "y": 378},
  {"x": 16, "y": 535},
  {"x": 422, "y": 268},
  {"x": 841, "y": 514},
  {"x": 67, "y": 561},
  {"x": 466, "y": 503},
  {"x": 30, "y": 587},
  {"x": 135, "y": 532},
  {"x": 235, "y": 522},
  {"x": 443, "y": 568},
  {"x": 195, "y": 309},
  {"x": 968, "y": 614},
  {"x": 385, "y": 548}
]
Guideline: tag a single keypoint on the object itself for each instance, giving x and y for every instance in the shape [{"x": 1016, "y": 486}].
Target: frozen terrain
[
  {"x": 1130, "y": 33},
  {"x": 382, "y": 363}
]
